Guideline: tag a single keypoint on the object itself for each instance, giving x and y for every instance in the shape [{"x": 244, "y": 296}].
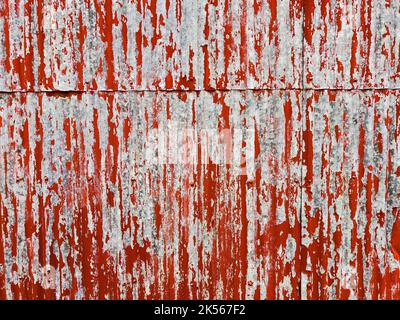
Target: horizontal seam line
[{"x": 194, "y": 90}]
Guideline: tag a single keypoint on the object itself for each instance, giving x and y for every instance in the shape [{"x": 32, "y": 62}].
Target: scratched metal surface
[{"x": 188, "y": 149}]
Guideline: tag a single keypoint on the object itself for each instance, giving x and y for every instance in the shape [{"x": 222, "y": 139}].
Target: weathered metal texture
[
  {"x": 150, "y": 44},
  {"x": 87, "y": 192},
  {"x": 351, "y": 195},
  {"x": 352, "y": 44},
  {"x": 123, "y": 174}
]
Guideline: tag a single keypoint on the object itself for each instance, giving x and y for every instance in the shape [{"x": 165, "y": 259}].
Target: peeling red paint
[
  {"x": 360, "y": 214},
  {"x": 199, "y": 149}
]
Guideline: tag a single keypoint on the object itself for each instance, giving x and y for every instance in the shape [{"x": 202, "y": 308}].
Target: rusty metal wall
[{"x": 199, "y": 149}]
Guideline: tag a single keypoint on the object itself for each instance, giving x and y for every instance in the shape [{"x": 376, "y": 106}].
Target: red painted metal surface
[
  {"x": 351, "y": 44},
  {"x": 90, "y": 193},
  {"x": 351, "y": 190},
  {"x": 190, "y": 149},
  {"x": 149, "y": 44}
]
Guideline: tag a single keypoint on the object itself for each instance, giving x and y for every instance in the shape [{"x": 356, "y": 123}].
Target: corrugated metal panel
[
  {"x": 87, "y": 190},
  {"x": 150, "y": 44},
  {"x": 123, "y": 174},
  {"x": 351, "y": 195},
  {"x": 352, "y": 44}
]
